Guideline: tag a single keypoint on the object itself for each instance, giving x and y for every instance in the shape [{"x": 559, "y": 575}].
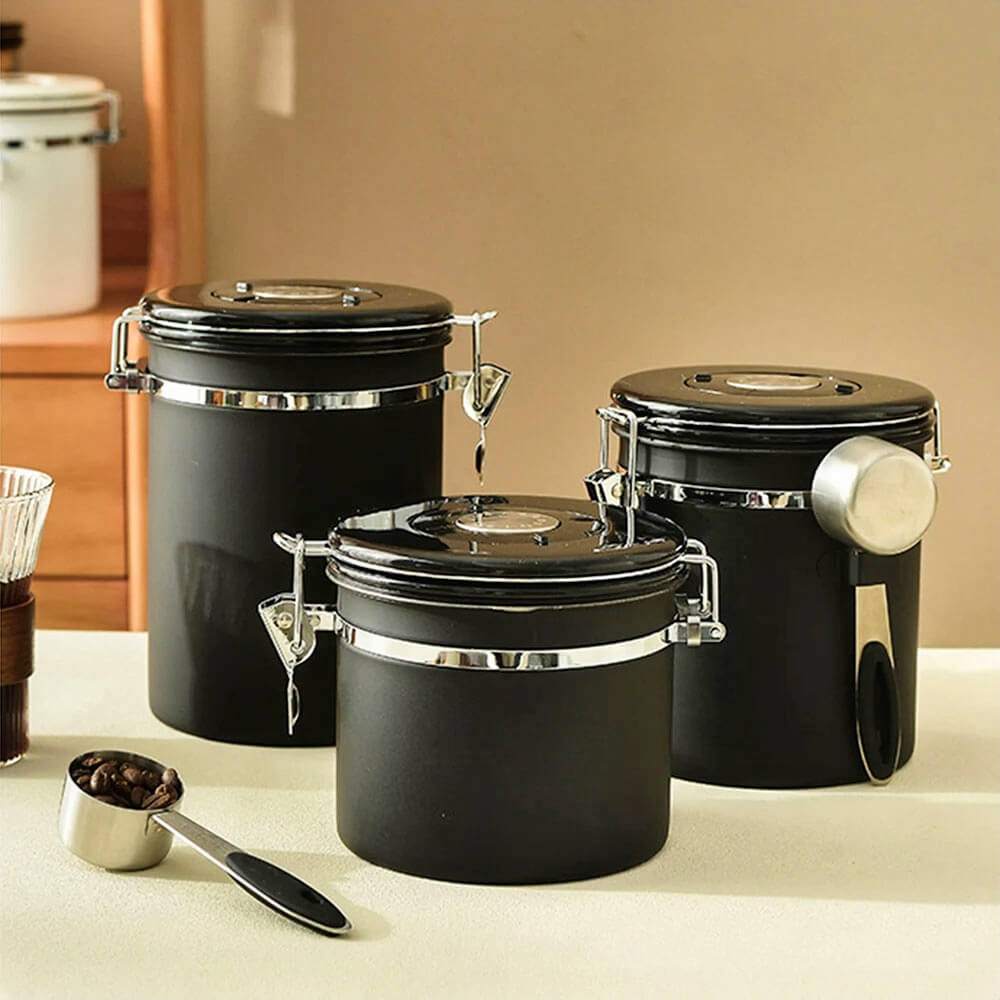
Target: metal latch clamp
[
  {"x": 607, "y": 484},
  {"x": 699, "y": 616},
  {"x": 127, "y": 376},
  {"x": 290, "y": 622}
]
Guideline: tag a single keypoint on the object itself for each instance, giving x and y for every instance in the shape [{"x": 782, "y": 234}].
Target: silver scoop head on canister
[
  {"x": 122, "y": 839},
  {"x": 874, "y": 495}
]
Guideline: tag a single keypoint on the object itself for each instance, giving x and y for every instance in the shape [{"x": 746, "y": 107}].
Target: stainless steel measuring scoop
[{"x": 122, "y": 839}]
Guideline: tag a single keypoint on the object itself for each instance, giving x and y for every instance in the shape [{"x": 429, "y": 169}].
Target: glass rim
[{"x": 33, "y": 494}]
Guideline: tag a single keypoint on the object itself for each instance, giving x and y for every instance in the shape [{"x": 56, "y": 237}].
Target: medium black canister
[
  {"x": 503, "y": 698},
  {"x": 811, "y": 489},
  {"x": 274, "y": 402}
]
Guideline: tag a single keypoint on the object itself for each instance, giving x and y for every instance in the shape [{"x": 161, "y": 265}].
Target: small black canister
[
  {"x": 274, "y": 402},
  {"x": 504, "y": 681},
  {"x": 811, "y": 489}
]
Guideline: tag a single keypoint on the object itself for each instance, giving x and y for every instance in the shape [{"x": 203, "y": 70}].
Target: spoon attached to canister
[{"x": 129, "y": 839}]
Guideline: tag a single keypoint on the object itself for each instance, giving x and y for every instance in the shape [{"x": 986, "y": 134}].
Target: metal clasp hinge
[
  {"x": 125, "y": 375},
  {"x": 485, "y": 384},
  {"x": 291, "y": 623},
  {"x": 938, "y": 461},
  {"x": 699, "y": 616},
  {"x": 607, "y": 485}
]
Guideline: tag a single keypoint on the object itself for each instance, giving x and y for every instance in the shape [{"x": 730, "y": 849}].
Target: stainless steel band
[
  {"x": 300, "y": 402},
  {"x": 107, "y": 137},
  {"x": 481, "y": 388},
  {"x": 725, "y": 496},
  {"x": 501, "y": 659},
  {"x": 625, "y": 487}
]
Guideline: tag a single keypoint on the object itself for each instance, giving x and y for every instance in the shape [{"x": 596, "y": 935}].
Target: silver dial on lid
[
  {"x": 345, "y": 295},
  {"x": 507, "y": 522},
  {"x": 772, "y": 381}
]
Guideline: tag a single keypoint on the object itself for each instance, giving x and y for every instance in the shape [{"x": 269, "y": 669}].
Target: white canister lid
[{"x": 20, "y": 92}]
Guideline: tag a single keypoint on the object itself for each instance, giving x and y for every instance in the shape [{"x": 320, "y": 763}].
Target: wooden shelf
[
  {"x": 78, "y": 344},
  {"x": 57, "y": 414}
]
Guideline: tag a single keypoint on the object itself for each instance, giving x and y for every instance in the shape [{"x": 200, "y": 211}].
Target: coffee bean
[
  {"x": 169, "y": 776},
  {"x": 92, "y": 761},
  {"x": 150, "y": 779},
  {"x": 156, "y": 800},
  {"x": 137, "y": 795},
  {"x": 106, "y": 798},
  {"x": 83, "y": 780},
  {"x": 100, "y": 782},
  {"x": 132, "y": 774}
]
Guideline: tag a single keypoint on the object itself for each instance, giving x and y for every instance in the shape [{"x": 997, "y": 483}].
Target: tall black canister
[
  {"x": 812, "y": 490},
  {"x": 275, "y": 402}
]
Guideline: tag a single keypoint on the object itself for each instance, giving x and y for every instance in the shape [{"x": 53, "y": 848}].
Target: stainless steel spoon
[{"x": 121, "y": 839}]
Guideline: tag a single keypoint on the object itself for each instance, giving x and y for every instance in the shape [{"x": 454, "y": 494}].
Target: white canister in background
[{"x": 50, "y": 252}]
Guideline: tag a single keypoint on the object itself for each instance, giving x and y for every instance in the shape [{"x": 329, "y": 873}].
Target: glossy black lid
[
  {"x": 507, "y": 546},
  {"x": 774, "y": 402},
  {"x": 296, "y": 315}
]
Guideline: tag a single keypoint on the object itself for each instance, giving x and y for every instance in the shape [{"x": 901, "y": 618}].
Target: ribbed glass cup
[{"x": 24, "y": 502}]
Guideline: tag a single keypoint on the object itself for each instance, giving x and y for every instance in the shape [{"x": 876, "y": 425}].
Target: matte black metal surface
[
  {"x": 774, "y": 705},
  {"x": 199, "y": 318},
  {"x": 493, "y": 777},
  {"x": 504, "y": 777},
  {"x": 220, "y": 483}
]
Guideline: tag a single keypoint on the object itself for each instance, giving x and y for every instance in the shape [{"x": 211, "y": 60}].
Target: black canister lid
[
  {"x": 506, "y": 549},
  {"x": 296, "y": 316},
  {"x": 769, "y": 404}
]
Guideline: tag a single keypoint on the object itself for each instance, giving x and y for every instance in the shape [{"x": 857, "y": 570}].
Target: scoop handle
[{"x": 272, "y": 886}]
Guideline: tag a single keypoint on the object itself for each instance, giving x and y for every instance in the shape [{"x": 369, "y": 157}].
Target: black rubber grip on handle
[
  {"x": 286, "y": 894},
  {"x": 878, "y": 712}
]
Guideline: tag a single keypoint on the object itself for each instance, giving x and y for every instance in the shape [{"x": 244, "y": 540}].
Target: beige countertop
[{"x": 855, "y": 891}]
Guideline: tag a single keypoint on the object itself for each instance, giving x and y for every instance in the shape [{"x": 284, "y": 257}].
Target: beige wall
[
  {"x": 94, "y": 38},
  {"x": 644, "y": 184}
]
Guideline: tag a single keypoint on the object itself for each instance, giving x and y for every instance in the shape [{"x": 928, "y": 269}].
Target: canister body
[
  {"x": 50, "y": 242},
  {"x": 221, "y": 482},
  {"x": 493, "y": 776},
  {"x": 774, "y": 705}
]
